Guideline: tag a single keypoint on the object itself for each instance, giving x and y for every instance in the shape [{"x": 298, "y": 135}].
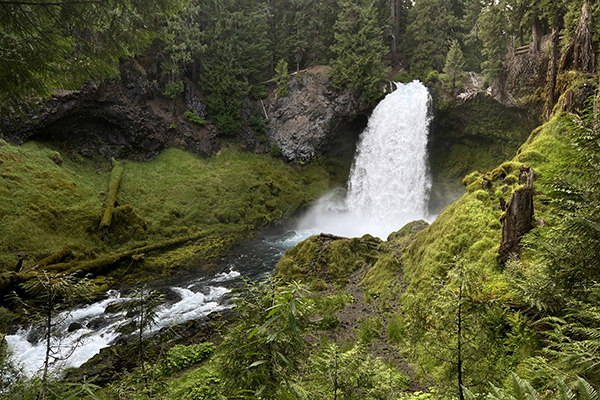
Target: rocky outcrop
[
  {"x": 517, "y": 220},
  {"x": 124, "y": 118},
  {"x": 304, "y": 122}
]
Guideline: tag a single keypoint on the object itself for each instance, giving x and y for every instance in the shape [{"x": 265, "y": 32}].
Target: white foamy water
[
  {"x": 100, "y": 329},
  {"x": 389, "y": 183}
]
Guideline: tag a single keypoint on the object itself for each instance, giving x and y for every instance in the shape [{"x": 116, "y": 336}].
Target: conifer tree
[
  {"x": 454, "y": 62},
  {"x": 51, "y": 44},
  {"x": 48, "y": 295},
  {"x": 359, "y": 48}
]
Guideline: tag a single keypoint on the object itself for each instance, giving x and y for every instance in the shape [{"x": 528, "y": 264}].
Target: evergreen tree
[
  {"x": 492, "y": 22},
  {"x": 433, "y": 27},
  {"x": 454, "y": 62},
  {"x": 453, "y": 330},
  {"x": 48, "y": 295},
  {"x": 47, "y": 45},
  {"x": 359, "y": 48},
  {"x": 282, "y": 78}
]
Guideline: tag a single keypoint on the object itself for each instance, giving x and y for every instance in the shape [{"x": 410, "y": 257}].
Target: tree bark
[
  {"x": 536, "y": 33},
  {"x": 393, "y": 18},
  {"x": 579, "y": 54},
  {"x": 552, "y": 70},
  {"x": 516, "y": 222}
]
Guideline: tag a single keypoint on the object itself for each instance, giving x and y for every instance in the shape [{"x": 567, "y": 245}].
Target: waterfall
[{"x": 389, "y": 183}]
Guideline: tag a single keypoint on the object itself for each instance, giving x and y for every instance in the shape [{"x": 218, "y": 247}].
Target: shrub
[
  {"x": 180, "y": 357},
  {"x": 172, "y": 89},
  {"x": 194, "y": 118},
  {"x": 275, "y": 150},
  {"x": 432, "y": 77}
]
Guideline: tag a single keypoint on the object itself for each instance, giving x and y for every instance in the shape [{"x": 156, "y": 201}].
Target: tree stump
[{"x": 517, "y": 220}]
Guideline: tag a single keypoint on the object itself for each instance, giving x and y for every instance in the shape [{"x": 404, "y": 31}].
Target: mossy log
[
  {"x": 51, "y": 259},
  {"x": 111, "y": 198},
  {"x": 101, "y": 264}
]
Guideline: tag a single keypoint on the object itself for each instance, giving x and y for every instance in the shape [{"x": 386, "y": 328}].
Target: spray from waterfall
[{"x": 389, "y": 183}]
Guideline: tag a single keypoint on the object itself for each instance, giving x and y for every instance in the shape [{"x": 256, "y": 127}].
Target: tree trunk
[
  {"x": 48, "y": 348},
  {"x": 195, "y": 68},
  {"x": 459, "y": 346},
  {"x": 536, "y": 33},
  {"x": 393, "y": 18},
  {"x": 552, "y": 74},
  {"x": 516, "y": 222},
  {"x": 579, "y": 54}
]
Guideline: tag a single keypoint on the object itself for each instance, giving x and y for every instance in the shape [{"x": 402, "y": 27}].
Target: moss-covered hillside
[{"x": 174, "y": 211}]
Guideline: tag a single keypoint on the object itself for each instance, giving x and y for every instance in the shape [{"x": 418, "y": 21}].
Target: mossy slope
[
  {"x": 52, "y": 202},
  {"x": 469, "y": 228}
]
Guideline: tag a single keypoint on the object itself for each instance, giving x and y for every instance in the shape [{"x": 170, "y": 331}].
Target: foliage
[
  {"x": 455, "y": 61},
  {"x": 281, "y": 78},
  {"x": 262, "y": 348},
  {"x": 180, "y": 357},
  {"x": 492, "y": 21},
  {"x": 455, "y": 330},
  {"x": 353, "y": 374},
  {"x": 275, "y": 150},
  {"x": 433, "y": 26},
  {"x": 47, "y": 295},
  {"x": 142, "y": 309},
  {"x": 172, "y": 89},
  {"x": 257, "y": 123},
  {"x": 569, "y": 249},
  {"x": 194, "y": 118},
  {"x": 47, "y": 45},
  {"x": 359, "y": 49}
]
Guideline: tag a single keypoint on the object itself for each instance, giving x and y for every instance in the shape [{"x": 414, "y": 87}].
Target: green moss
[
  {"x": 382, "y": 276},
  {"x": 328, "y": 258},
  {"x": 46, "y": 208}
]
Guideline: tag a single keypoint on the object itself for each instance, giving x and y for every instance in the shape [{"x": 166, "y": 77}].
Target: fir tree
[
  {"x": 454, "y": 62},
  {"x": 359, "y": 48}
]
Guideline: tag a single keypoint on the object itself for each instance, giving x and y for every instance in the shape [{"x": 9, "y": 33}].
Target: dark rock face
[
  {"x": 304, "y": 121},
  {"x": 121, "y": 119},
  {"x": 517, "y": 220}
]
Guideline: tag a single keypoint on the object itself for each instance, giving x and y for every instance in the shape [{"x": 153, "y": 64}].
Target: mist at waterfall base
[
  {"x": 389, "y": 182},
  {"x": 388, "y": 187}
]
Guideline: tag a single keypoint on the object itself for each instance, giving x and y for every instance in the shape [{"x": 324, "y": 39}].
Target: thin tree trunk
[
  {"x": 393, "y": 29},
  {"x": 536, "y": 33},
  {"x": 552, "y": 74},
  {"x": 47, "y": 357},
  {"x": 459, "y": 346}
]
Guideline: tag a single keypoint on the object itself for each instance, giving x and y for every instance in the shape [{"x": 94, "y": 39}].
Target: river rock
[
  {"x": 74, "y": 326},
  {"x": 303, "y": 122}
]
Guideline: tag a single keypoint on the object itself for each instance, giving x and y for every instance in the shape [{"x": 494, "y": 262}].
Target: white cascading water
[{"x": 389, "y": 183}]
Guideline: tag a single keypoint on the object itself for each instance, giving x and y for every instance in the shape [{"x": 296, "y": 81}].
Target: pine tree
[
  {"x": 359, "y": 48},
  {"x": 47, "y": 45},
  {"x": 454, "y": 62},
  {"x": 48, "y": 295}
]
